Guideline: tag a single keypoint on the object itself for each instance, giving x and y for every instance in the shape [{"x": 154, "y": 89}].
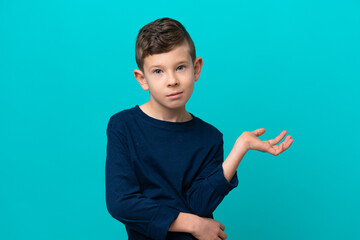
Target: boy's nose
[{"x": 172, "y": 80}]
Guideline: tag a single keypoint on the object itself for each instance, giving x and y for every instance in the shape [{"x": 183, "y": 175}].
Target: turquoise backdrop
[{"x": 67, "y": 66}]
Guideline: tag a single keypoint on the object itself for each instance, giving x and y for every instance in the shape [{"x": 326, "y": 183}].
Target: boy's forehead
[{"x": 178, "y": 54}]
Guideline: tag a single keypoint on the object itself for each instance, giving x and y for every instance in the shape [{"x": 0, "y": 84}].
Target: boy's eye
[
  {"x": 157, "y": 71},
  {"x": 181, "y": 67}
]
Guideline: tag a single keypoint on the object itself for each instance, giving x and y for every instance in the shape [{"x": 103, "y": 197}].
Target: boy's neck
[{"x": 169, "y": 115}]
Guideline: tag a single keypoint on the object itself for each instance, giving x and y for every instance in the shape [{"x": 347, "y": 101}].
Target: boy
[{"x": 165, "y": 173}]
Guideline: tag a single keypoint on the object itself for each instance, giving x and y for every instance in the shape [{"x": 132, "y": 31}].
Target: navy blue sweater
[{"x": 156, "y": 169}]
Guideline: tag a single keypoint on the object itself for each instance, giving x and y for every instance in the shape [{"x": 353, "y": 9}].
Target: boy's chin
[{"x": 175, "y": 105}]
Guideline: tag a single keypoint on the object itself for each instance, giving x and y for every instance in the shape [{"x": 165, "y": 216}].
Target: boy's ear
[
  {"x": 197, "y": 67},
  {"x": 140, "y": 77}
]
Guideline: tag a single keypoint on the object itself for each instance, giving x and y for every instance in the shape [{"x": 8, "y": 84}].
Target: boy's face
[{"x": 170, "y": 77}]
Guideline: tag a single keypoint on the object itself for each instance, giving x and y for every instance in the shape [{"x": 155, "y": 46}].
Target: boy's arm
[{"x": 124, "y": 199}]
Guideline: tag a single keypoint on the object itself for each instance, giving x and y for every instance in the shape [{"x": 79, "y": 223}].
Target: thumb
[{"x": 259, "y": 132}]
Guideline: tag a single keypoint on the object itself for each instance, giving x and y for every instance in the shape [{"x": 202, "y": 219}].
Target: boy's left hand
[{"x": 251, "y": 141}]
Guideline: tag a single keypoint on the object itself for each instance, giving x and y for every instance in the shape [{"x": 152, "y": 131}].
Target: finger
[
  {"x": 289, "y": 142},
  {"x": 276, "y": 150},
  {"x": 222, "y": 227},
  {"x": 286, "y": 143},
  {"x": 222, "y": 235},
  {"x": 278, "y": 138},
  {"x": 259, "y": 132}
]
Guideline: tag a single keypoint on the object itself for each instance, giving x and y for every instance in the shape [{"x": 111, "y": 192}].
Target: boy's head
[
  {"x": 168, "y": 65},
  {"x": 161, "y": 36}
]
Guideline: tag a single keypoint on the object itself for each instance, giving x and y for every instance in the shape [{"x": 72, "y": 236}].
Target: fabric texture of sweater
[{"x": 156, "y": 169}]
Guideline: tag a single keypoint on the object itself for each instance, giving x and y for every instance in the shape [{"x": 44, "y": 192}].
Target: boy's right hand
[{"x": 209, "y": 229}]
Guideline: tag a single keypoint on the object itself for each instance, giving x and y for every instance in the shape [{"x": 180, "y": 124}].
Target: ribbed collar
[{"x": 165, "y": 124}]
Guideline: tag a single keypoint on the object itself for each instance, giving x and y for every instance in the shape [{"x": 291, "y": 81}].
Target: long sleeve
[
  {"x": 124, "y": 199},
  {"x": 210, "y": 186}
]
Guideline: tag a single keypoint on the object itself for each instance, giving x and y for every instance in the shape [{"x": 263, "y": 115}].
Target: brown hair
[{"x": 161, "y": 36}]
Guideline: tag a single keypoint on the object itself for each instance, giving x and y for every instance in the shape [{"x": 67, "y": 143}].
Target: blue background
[{"x": 67, "y": 66}]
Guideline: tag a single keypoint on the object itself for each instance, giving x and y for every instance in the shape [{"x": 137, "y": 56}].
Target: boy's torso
[{"x": 166, "y": 156}]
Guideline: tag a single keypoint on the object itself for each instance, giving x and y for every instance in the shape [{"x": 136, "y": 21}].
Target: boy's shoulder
[
  {"x": 205, "y": 126},
  {"x": 122, "y": 117}
]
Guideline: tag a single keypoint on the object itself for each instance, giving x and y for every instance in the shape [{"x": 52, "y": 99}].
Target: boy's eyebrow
[{"x": 159, "y": 65}]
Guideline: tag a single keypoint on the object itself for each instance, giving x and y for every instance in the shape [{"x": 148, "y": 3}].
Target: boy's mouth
[{"x": 174, "y": 94}]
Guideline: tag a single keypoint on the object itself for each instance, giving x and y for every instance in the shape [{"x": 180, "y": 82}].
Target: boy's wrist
[
  {"x": 195, "y": 224},
  {"x": 242, "y": 143},
  {"x": 186, "y": 222}
]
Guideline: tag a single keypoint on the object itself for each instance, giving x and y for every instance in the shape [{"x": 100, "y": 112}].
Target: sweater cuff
[
  {"x": 161, "y": 222},
  {"x": 220, "y": 183}
]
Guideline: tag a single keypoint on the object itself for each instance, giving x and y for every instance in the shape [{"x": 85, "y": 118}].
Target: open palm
[{"x": 253, "y": 142}]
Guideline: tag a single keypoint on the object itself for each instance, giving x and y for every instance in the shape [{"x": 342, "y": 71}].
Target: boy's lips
[{"x": 174, "y": 95}]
